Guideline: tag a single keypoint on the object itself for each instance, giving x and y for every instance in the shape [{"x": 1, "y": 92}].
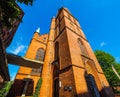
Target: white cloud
[
  {"x": 18, "y": 49},
  {"x": 102, "y": 44}
]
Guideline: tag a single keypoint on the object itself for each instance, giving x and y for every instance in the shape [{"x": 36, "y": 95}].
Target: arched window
[
  {"x": 82, "y": 47},
  {"x": 56, "y": 71},
  {"x": 40, "y": 55},
  {"x": 35, "y": 71},
  {"x": 56, "y": 50},
  {"x": 92, "y": 86}
]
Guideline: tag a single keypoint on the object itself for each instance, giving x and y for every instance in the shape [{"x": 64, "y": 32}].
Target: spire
[{"x": 38, "y": 30}]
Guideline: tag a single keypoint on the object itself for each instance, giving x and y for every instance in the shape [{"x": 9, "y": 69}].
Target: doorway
[{"x": 92, "y": 87}]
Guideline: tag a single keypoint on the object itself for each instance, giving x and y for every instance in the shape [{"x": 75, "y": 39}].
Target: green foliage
[
  {"x": 117, "y": 67},
  {"x": 5, "y": 89},
  {"x": 37, "y": 90},
  {"x": 27, "y": 2},
  {"x": 111, "y": 77},
  {"x": 9, "y": 10},
  {"x": 106, "y": 61}
]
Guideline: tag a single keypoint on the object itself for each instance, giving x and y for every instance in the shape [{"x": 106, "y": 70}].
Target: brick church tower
[{"x": 70, "y": 67}]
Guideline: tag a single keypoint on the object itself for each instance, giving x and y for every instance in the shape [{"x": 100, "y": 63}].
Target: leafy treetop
[
  {"x": 106, "y": 61},
  {"x": 10, "y": 11}
]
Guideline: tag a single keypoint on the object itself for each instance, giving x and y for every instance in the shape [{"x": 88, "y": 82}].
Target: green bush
[
  {"x": 38, "y": 86},
  {"x": 5, "y": 89}
]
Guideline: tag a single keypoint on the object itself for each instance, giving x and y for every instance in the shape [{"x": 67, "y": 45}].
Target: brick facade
[{"x": 70, "y": 67}]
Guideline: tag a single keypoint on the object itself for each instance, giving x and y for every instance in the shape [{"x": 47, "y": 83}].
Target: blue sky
[{"x": 99, "y": 19}]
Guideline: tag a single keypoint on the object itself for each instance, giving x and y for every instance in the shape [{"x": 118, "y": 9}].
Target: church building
[{"x": 69, "y": 69}]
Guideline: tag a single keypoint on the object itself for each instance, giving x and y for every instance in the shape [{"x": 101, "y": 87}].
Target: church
[{"x": 69, "y": 67}]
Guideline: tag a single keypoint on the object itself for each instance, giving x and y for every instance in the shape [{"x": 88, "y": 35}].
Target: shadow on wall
[
  {"x": 93, "y": 90},
  {"x": 106, "y": 92},
  {"x": 18, "y": 87}
]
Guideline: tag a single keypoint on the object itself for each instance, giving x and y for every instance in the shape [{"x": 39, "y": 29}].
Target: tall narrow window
[
  {"x": 69, "y": 17},
  {"x": 40, "y": 55},
  {"x": 92, "y": 87},
  {"x": 59, "y": 25},
  {"x": 56, "y": 71},
  {"x": 75, "y": 21},
  {"x": 82, "y": 47},
  {"x": 56, "y": 50}
]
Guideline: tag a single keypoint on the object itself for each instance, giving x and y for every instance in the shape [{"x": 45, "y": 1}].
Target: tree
[
  {"x": 106, "y": 61},
  {"x": 5, "y": 89},
  {"x": 117, "y": 67},
  {"x": 9, "y": 10}
]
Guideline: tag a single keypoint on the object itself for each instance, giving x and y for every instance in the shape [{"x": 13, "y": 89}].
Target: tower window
[
  {"x": 82, "y": 47},
  {"x": 40, "y": 55},
  {"x": 75, "y": 22},
  {"x": 71, "y": 23},
  {"x": 78, "y": 29},
  {"x": 59, "y": 27},
  {"x": 56, "y": 50},
  {"x": 59, "y": 19},
  {"x": 69, "y": 17},
  {"x": 44, "y": 39},
  {"x": 36, "y": 71}
]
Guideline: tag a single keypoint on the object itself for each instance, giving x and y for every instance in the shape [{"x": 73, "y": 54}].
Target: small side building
[
  {"x": 27, "y": 78},
  {"x": 5, "y": 40}
]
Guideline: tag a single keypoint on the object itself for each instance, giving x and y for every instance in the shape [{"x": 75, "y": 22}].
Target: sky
[{"x": 99, "y": 19}]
